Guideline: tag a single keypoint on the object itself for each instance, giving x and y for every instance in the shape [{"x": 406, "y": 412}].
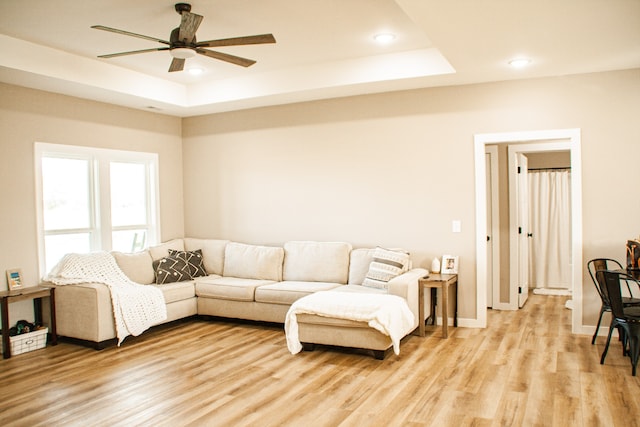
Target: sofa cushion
[
  {"x": 138, "y": 267},
  {"x": 290, "y": 291},
  {"x": 177, "y": 291},
  {"x": 194, "y": 261},
  {"x": 162, "y": 250},
  {"x": 229, "y": 288},
  {"x": 172, "y": 268},
  {"x": 253, "y": 262},
  {"x": 212, "y": 252},
  {"x": 316, "y": 261},
  {"x": 386, "y": 265},
  {"x": 360, "y": 260}
]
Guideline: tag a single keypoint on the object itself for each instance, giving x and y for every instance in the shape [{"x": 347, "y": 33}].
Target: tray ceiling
[{"x": 325, "y": 48}]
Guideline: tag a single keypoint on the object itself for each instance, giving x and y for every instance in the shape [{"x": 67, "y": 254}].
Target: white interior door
[
  {"x": 522, "y": 194},
  {"x": 493, "y": 228},
  {"x": 489, "y": 234}
]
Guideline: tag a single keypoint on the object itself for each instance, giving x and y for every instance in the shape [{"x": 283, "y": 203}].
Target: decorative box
[{"x": 28, "y": 342}]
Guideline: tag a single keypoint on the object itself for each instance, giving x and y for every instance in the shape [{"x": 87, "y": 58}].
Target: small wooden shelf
[{"x": 35, "y": 293}]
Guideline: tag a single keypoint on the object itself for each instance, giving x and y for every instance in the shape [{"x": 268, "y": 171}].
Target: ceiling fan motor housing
[
  {"x": 174, "y": 40},
  {"x": 180, "y": 49},
  {"x": 183, "y": 7}
]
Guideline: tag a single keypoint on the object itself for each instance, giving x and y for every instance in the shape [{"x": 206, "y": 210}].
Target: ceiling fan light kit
[
  {"x": 182, "y": 52},
  {"x": 182, "y": 42}
]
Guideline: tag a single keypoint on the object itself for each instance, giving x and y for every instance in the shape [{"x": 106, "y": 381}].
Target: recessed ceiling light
[
  {"x": 384, "y": 38},
  {"x": 519, "y": 62},
  {"x": 195, "y": 71}
]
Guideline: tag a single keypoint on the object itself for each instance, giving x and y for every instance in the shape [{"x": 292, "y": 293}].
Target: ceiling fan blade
[
  {"x": 244, "y": 62},
  {"x": 188, "y": 26},
  {"x": 127, "y": 33},
  {"x": 177, "y": 64},
  {"x": 133, "y": 52},
  {"x": 238, "y": 41}
]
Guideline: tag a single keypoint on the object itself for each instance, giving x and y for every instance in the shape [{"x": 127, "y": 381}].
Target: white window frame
[{"x": 100, "y": 205}]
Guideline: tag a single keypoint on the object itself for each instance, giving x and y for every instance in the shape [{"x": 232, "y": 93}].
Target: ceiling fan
[{"x": 182, "y": 42}]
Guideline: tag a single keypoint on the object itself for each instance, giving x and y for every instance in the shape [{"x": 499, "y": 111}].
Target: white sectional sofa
[{"x": 243, "y": 281}]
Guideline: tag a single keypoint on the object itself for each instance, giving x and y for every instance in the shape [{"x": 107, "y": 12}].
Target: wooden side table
[
  {"x": 36, "y": 293},
  {"x": 435, "y": 281}
]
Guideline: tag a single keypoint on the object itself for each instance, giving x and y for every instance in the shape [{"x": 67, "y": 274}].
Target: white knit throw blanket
[
  {"x": 136, "y": 307},
  {"x": 389, "y": 314}
]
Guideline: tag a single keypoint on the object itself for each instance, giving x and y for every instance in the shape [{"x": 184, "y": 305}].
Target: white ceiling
[{"x": 324, "y": 48}]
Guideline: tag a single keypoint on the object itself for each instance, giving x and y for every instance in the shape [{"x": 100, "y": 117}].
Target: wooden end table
[
  {"x": 36, "y": 293},
  {"x": 444, "y": 282}
]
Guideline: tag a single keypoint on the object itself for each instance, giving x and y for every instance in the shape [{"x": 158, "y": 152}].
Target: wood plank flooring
[{"x": 525, "y": 369}]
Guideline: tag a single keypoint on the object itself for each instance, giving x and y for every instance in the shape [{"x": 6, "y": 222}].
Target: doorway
[
  {"x": 530, "y": 232},
  {"x": 563, "y": 139}
]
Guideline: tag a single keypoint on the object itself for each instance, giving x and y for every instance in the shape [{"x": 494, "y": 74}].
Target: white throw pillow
[
  {"x": 386, "y": 265},
  {"x": 253, "y": 262}
]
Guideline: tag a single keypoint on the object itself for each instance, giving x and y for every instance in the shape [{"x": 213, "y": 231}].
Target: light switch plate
[{"x": 456, "y": 226}]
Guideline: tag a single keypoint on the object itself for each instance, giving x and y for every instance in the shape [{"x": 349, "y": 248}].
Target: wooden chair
[
  {"x": 625, "y": 319},
  {"x": 600, "y": 264}
]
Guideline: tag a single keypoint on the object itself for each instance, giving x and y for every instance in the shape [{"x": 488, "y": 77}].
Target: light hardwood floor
[{"x": 524, "y": 369}]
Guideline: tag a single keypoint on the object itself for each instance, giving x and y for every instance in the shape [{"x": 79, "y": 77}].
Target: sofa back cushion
[
  {"x": 162, "y": 250},
  {"x": 359, "y": 266},
  {"x": 138, "y": 267},
  {"x": 212, "y": 253},
  {"x": 316, "y": 261},
  {"x": 253, "y": 262}
]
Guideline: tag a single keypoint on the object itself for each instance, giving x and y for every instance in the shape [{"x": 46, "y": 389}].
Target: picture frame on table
[
  {"x": 449, "y": 264},
  {"x": 14, "y": 279}
]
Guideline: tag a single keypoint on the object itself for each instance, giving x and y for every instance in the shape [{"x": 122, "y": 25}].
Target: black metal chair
[
  {"x": 601, "y": 264},
  {"x": 625, "y": 319}
]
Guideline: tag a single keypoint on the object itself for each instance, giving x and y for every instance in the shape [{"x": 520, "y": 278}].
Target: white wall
[{"x": 395, "y": 169}]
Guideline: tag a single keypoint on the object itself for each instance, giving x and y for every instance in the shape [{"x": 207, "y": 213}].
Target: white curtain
[{"x": 550, "y": 225}]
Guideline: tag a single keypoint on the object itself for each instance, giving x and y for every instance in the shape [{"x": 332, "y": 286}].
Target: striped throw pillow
[{"x": 385, "y": 265}]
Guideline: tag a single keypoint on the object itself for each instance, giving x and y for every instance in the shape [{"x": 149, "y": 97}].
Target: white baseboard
[
  {"x": 474, "y": 323},
  {"x": 583, "y": 330},
  {"x": 590, "y": 330}
]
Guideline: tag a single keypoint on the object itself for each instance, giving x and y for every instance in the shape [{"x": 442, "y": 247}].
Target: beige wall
[
  {"x": 28, "y": 116},
  {"x": 389, "y": 169},
  {"x": 504, "y": 221},
  {"x": 552, "y": 159},
  {"x": 395, "y": 169}
]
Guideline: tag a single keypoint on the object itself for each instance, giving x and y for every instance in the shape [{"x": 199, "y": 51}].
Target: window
[{"x": 94, "y": 199}]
